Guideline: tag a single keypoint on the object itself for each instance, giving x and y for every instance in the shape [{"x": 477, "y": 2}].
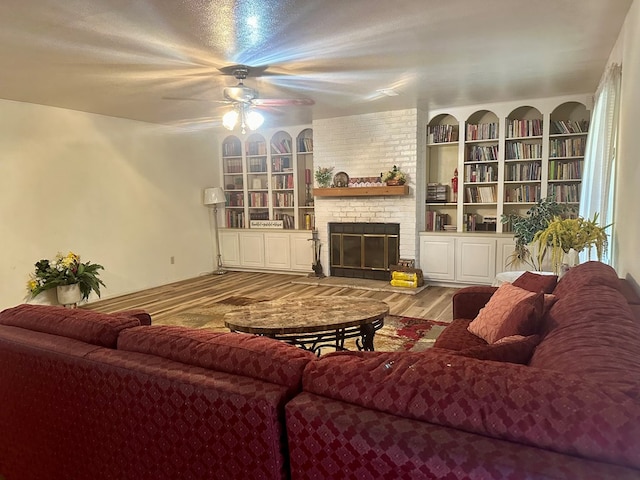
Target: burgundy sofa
[
  {"x": 569, "y": 410},
  {"x": 91, "y": 396}
]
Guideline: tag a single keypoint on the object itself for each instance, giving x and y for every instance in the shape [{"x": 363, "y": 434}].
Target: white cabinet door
[
  {"x": 229, "y": 248},
  {"x": 252, "y": 249},
  {"x": 476, "y": 260},
  {"x": 277, "y": 249},
  {"x": 437, "y": 257},
  {"x": 505, "y": 248},
  {"x": 301, "y": 252}
]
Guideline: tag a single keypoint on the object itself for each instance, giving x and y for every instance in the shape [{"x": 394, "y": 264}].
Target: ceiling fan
[
  {"x": 247, "y": 95},
  {"x": 244, "y": 98}
]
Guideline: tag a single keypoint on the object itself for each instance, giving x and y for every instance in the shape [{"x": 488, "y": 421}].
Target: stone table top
[{"x": 305, "y": 315}]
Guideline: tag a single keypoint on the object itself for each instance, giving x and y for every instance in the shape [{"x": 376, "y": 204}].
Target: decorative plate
[{"x": 341, "y": 179}]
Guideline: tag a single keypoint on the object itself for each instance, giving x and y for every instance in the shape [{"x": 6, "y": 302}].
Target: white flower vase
[
  {"x": 570, "y": 259},
  {"x": 69, "y": 295}
]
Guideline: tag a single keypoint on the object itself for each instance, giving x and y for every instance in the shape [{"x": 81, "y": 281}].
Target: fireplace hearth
[{"x": 363, "y": 250}]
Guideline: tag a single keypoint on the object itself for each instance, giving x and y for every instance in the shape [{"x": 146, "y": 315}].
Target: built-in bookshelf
[
  {"x": 268, "y": 177},
  {"x": 505, "y": 160},
  {"x": 480, "y": 168}
]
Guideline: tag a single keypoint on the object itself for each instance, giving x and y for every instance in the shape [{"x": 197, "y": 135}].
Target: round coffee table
[{"x": 312, "y": 323}]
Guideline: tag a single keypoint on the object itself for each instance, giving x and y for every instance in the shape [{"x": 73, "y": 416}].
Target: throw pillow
[
  {"x": 510, "y": 311},
  {"x": 535, "y": 282},
  {"x": 512, "y": 349}
]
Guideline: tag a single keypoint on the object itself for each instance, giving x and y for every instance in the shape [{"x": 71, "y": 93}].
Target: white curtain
[{"x": 598, "y": 177}]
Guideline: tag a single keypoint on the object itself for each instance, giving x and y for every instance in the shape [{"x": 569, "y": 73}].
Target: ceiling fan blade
[
  {"x": 281, "y": 102},
  {"x": 191, "y": 99}
]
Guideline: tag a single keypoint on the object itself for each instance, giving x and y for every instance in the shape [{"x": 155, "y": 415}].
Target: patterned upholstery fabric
[
  {"x": 515, "y": 349},
  {"x": 510, "y": 311},
  {"x": 594, "y": 274},
  {"x": 551, "y": 410},
  {"x": 535, "y": 282},
  {"x": 87, "y": 326},
  {"x": 79, "y": 412},
  {"x": 336, "y": 440},
  {"x": 458, "y": 337},
  {"x": 253, "y": 356},
  {"x": 593, "y": 332}
]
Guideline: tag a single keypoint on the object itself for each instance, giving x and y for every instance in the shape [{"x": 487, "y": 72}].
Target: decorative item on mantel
[
  {"x": 72, "y": 279},
  {"x": 394, "y": 177},
  {"x": 323, "y": 176}
]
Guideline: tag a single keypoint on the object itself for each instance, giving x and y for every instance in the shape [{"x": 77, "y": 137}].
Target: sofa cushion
[
  {"x": 566, "y": 413},
  {"x": 85, "y": 325},
  {"x": 593, "y": 332},
  {"x": 510, "y": 311},
  {"x": 535, "y": 282},
  {"x": 457, "y": 336},
  {"x": 239, "y": 354},
  {"x": 513, "y": 349},
  {"x": 587, "y": 274}
]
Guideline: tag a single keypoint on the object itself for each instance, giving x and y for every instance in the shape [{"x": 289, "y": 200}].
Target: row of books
[
  {"x": 257, "y": 165},
  {"x": 283, "y": 199},
  {"x": 480, "y": 194},
  {"x": 567, "y": 147},
  {"x": 569, "y": 126},
  {"x": 305, "y": 144},
  {"x": 232, "y": 149},
  {"x": 565, "y": 193},
  {"x": 235, "y": 219},
  {"x": 442, "y": 134},
  {"x": 521, "y": 172},
  {"x": 259, "y": 215},
  {"x": 435, "y": 221},
  {"x": 565, "y": 170},
  {"x": 233, "y": 165},
  {"x": 480, "y": 173},
  {"x": 520, "y": 150},
  {"x": 523, "y": 193},
  {"x": 258, "y": 147},
  {"x": 282, "y": 146},
  {"x": 524, "y": 128},
  {"x": 234, "y": 199},
  {"x": 288, "y": 221},
  {"x": 281, "y": 164},
  {"x": 258, "y": 199},
  {"x": 281, "y": 182},
  {"x": 477, "y": 153},
  {"x": 482, "y": 131}
]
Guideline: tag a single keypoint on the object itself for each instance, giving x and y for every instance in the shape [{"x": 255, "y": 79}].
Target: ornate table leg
[{"x": 367, "y": 331}]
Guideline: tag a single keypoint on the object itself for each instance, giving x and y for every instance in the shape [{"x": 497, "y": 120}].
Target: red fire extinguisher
[{"x": 454, "y": 185}]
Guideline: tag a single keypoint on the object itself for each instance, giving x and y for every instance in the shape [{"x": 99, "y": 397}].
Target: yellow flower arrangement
[
  {"x": 562, "y": 235},
  {"x": 65, "y": 270}
]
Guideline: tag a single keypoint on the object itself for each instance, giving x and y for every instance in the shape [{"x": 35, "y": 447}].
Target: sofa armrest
[{"x": 468, "y": 301}]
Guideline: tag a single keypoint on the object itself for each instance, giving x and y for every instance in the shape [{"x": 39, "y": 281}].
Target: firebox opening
[{"x": 363, "y": 250}]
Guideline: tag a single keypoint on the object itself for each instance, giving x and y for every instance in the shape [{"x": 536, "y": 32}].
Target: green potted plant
[
  {"x": 394, "y": 177},
  {"x": 570, "y": 236},
  {"x": 66, "y": 270},
  {"x": 525, "y": 228},
  {"x": 323, "y": 176}
]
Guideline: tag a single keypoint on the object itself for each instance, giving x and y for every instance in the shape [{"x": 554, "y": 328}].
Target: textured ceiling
[{"x": 157, "y": 60}]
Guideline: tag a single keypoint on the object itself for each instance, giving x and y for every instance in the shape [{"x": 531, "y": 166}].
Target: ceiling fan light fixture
[
  {"x": 230, "y": 119},
  {"x": 254, "y": 119}
]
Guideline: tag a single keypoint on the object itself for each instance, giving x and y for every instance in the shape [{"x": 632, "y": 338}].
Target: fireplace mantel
[{"x": 361, "y": 191}]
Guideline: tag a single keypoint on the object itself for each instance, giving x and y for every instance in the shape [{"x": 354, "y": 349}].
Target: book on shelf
[
  {"x": 482, "y": 131},
  {"x": 524, "y": 128},
  {"x": 305, "y": 145},
  {"x": 479, "y": 153},
  {"x": 281, "y": 146},
  {"x": 435, "y": 221},
  {"x": 234, "y": 219},
  {"x": 256, "y": 148},
  {"x": 442, "y": 134},
  {"x": 480, "y": 194},
  {"x": 567, "y": 147},
  {"x": 566, "y": 127}
]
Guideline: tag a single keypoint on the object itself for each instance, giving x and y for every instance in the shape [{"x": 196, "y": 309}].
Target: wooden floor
[{"x": 162, "y": 302}]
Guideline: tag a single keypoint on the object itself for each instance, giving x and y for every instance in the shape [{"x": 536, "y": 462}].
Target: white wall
[
  {"x": 627, "y": 201},
  {"x": 125, "y": 194}
]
